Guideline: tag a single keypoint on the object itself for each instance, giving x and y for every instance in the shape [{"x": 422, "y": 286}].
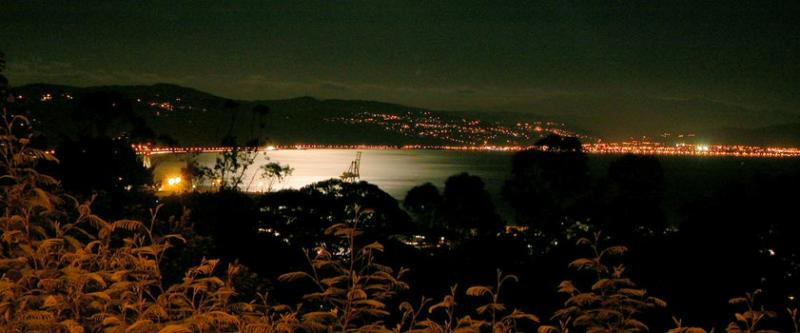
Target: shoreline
[{"x": 621, "y": 148}]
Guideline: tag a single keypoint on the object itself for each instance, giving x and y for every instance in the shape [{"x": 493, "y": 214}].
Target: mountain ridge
[
  {"x": 302, "y": 119},
  {"x": 194, "y": 117}
]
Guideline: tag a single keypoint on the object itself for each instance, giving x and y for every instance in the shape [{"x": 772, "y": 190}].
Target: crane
[{"x": 353, "y": 174}]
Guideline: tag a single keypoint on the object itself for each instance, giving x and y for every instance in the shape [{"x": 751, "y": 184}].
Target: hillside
[
  {"x": 192, "y": 117},
  {"x": 776, "y": 135}
]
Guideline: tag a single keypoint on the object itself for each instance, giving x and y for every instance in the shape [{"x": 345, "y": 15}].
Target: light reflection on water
[
  {"x": 394, "y": 171},
  {"x": 397, "y": 171}
]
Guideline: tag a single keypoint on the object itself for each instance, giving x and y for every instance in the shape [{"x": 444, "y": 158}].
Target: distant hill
[
  {"x": 776, "y": 135},
  {"x": 194, "y": 117},
  {"x": 627, "y": 116}
]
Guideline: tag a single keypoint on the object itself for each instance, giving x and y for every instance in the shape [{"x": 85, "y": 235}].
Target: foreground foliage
[
  {"x": 611, "y": 303},
  {"x": 65, "y": 269}
]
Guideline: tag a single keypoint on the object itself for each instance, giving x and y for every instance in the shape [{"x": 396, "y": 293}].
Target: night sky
[{"x": 614, "y": 57}]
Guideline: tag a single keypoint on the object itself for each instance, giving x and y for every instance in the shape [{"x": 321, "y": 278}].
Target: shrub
[
  {"x": 612, "y": 303},
  {"x": 63, "y": 268}
]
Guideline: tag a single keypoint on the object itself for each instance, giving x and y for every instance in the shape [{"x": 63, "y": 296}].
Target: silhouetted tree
[
  {"x": 467, "y": 207},
  {"x": 98, "y": 159},
  {"x": 258, "y": 114},
  {"x": 548, "y": 184},
  {"x": 108, "y": 167},
  {"x": 304, "y": 213},
  {"x": 424, "y": 203},
  {"x": 3, "y": 80},
  {"x": 232, "y": 107},
  {"x": 225, "y": 225},
  {"x": 273, "y": 172},
  {"x": 193, "y": 172},
  {"x": 632, "y": 196},
  {"x": 229, "y": 169},
  {"x": 100, "y": 112},
  {"x": 6, "y": 98},
  {"x": 230, "y": 166},
  {"x": 739, "y": 236},
  {"x": 261, "y": 110},
  {"x": 140, "y": 132}
]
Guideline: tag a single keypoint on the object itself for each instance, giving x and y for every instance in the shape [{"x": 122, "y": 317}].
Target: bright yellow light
[{"x": 174, "y": 181}]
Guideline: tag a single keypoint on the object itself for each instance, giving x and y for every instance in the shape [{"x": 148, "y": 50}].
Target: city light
[
  {"x": 456, "y": 130},
  {"x": 174, "y": 181},
  {"x": 608, "y": 148}
]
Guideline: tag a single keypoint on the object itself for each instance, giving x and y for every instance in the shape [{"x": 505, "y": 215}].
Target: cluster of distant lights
[
  {"x": 163, "y": 105},
  {"x": 458, "y": 131},
  {"x": 423, "y": 243},
  {"x": 473, "y": 135},
  {"x": 632, "y": 147},
  {"x": 49, "y": 97},
  {"x": 683, "y": 149}
]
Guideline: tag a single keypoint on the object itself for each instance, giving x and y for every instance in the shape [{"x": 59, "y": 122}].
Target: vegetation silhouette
[
  {"x": 549, "y": 185},
  {"x": 99, "y": 159},
  {"x": 611, "y": 302},
  {"x": 467, "y": 209},
  {"x": 303, "y": 214},
  {"x": 109, "y": 114},
  {"x": 231, "y": 166},
  {"x": 424, "y": 203},
  {"x": 631, "y": 197},
  {"x": 274, "y": 173},
  {"x": 108, "y": 168},
  {"x": 3, "y": 79}
]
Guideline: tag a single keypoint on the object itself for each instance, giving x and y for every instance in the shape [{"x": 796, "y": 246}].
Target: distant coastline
[{"x": 617, "y": 148}]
